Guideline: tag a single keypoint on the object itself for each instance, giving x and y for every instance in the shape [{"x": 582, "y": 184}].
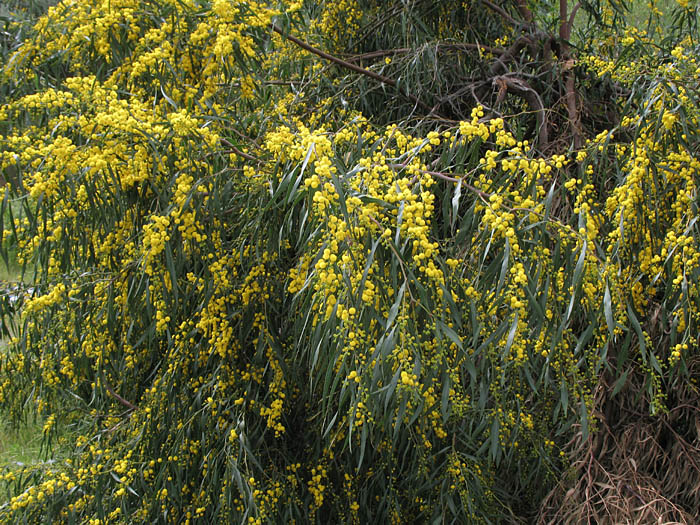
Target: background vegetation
[{"x": 352, "y": 261}]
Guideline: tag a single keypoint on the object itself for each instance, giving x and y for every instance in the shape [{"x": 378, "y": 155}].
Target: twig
[
  {"x": 265, "y": 82},
  {"x": 514, "y": 49},
  {"x": 573, "y": 15},
  {"x": 524, "y": 10},
  {"x": 116, "y": 396},
  {"x": 239, "y": 152},
  {"x": 451, "y": 178},
  {"x": 682, "y": 443},
  {"x": 244, "y": 137},
  {"x": 522, "y": 88},
  {"x": 565, "y": 24},
  {"x": 501, "y": 11}
]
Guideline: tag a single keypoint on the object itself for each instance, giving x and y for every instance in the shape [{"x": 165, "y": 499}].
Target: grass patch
[
  {"x": 20, "y": 445},
  {"x": 17, "y": 444},
  {"x": 11, "y": 273}
]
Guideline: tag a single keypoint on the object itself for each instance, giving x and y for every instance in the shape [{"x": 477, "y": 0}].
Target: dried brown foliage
[{"x": 635, "y": 468}]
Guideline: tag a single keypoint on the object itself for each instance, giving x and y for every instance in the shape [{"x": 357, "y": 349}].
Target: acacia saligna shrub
[{"x": 351, "y": 261}]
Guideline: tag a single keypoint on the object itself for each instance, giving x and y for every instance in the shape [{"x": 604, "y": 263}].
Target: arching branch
[
  {"x": 351, "y": 66},
  {"x": 521, "y": 88}
]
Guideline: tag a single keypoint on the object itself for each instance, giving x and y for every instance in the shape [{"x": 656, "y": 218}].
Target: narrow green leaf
[
  {"x": 511, "y": 334},
  {"x": 607, "y": 307},
  {"x": 494, "y": 448},
  {"x": 620, "y": 383},
  {"x": 451, "y": 334},
  {"x": 455, "y": 203},
  {"x": 504, "y": 267},
  {"x": 584, "y": 420},
  {"x": 394, "y": 310}
]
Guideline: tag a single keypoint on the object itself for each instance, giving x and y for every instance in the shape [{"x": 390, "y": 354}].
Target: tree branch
[
  {"x": 510, "y": 54},
  {"x": 116, "y": 396},
  {"x": 351, "y": 66},
  {"x": 239, "y": 152},
  {"x": 522, "y": 88},
  {"x": 524, "y": 10},
  {"x": 573, "y": 15},
  {"x": 565, "y": 23},
  {"x": 498, "y": 9},
  {"x": 450, "y": 177}
]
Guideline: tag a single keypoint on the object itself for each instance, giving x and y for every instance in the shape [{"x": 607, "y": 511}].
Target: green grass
[
  {"x": 20, "y": 445},
  {"x": 9, "y": 276},
  {"x": 12, "y": 273}
]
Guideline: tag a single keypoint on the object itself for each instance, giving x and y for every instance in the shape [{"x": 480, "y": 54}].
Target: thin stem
[
  {"x": 116, "y": 396},
  {"x": 501, "y": 11},
  {"x": 238, "y": 152}
]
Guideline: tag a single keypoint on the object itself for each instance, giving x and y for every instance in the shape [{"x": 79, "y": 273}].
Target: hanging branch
[
  {"x": 524, "y": 10},
  {"x": 238, "y": 152},
  {"x": 512, "y": 52}
]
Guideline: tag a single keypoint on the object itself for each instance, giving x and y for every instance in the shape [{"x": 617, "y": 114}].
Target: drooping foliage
[{"x": 350, "y": 261}]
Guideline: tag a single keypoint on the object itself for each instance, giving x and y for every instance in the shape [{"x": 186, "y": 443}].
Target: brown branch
[
  {"x": 244, "y": 137},
  {"x": 572, "y": 109},
  {"x": 116, "y": 396},
  {"x": 524, "y": 10},
  {"x": 564, "y": 28},
  {"x": 351, "y": 66},
  {"x": 523, "y": 89},
  {"x": 510, "y": 54},
  {"x": 448, "y": 177},
  {"x": 502, "y": 12},
  {"x": 378, "y": 54},
  {"x": 573, "y": 15},
  {"x": 264, "y": 82},
  {"x": 565, "y": 24},
  {"x": 239, "y": 152}
]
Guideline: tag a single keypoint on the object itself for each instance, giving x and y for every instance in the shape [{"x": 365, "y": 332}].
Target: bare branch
[
  {"x": 565, "y": 24},
  {"x": 498, "y": 9},
  {"x": 239, "y": 152},
  {"x": 351, "y": 66},
  {"x": 523, "y": 89},
  {"x": 573, "y": 15},
  {"x": 116, "y": 396},
  {"x": 524, "y": 10}
]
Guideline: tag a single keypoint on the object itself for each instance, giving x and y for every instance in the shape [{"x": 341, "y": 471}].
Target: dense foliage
[{"x": 353, "y": 261}]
